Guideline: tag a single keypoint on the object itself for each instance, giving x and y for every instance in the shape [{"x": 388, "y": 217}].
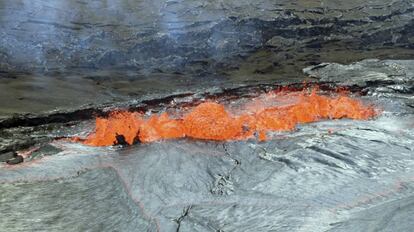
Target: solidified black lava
[
  {"x": 15, "y": 160},
  {"x": 7, "y": 156},
  {"x": 120, "y": 140}
]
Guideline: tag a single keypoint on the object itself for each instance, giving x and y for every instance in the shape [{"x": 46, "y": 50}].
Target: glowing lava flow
[{"x": 280, "y": 111}]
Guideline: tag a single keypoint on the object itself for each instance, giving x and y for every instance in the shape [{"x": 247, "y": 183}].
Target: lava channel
[{"x": 274, "y": 111}]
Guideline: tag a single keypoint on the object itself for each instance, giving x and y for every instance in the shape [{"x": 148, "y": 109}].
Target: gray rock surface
[
  {"x": 308, "y": 180},
  {"x": 365, "y": 73},
  {"x": 95, "y": 200},
  {"x": 340, "y": 175},
  {"x": 187, "y": 36}
]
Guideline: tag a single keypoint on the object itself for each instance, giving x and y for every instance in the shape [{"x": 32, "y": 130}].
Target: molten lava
[{"x": 276, "y": 111}]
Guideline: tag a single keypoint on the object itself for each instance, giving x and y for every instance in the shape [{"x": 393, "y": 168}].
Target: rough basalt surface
[
  {"x": 341, "y": 175},
  {"x": 188, "y": 36},
  {"x": 367, "y": 73}
]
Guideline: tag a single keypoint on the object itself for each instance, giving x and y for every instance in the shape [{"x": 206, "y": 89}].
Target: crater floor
[{"x": 340, "y": 175}]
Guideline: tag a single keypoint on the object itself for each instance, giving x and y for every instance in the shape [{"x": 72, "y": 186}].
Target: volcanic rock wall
[
  {"x": 196, "y": 37},
  {"x": 87, "y": 53}
]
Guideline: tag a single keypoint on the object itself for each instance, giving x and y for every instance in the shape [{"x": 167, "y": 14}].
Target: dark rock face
[
  {"x": 15, "y": 160},
  {"x": 188, "y": 37},
  {"x": 5, "y": 156},
  {"x": 91, "y": 53}
]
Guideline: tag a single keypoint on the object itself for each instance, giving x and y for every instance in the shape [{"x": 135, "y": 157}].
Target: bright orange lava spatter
[{"x": 276, "y": 111}]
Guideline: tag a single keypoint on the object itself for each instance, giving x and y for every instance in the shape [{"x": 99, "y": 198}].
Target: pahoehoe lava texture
[
  {"x": 339, "y": 175},
  {"x": 62, "y": 205},
  {"x": 310, "y": 181}
]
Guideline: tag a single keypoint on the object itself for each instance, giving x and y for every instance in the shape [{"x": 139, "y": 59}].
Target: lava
[
  {"x": 118, "y": 123},
  {"x": 275, "y": 111}
]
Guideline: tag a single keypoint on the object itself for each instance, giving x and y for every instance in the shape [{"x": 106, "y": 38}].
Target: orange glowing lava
[{"x": 276, "y": 111}]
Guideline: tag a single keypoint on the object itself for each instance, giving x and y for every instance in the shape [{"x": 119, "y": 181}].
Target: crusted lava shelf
[{"x": 332, "y": 175}]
